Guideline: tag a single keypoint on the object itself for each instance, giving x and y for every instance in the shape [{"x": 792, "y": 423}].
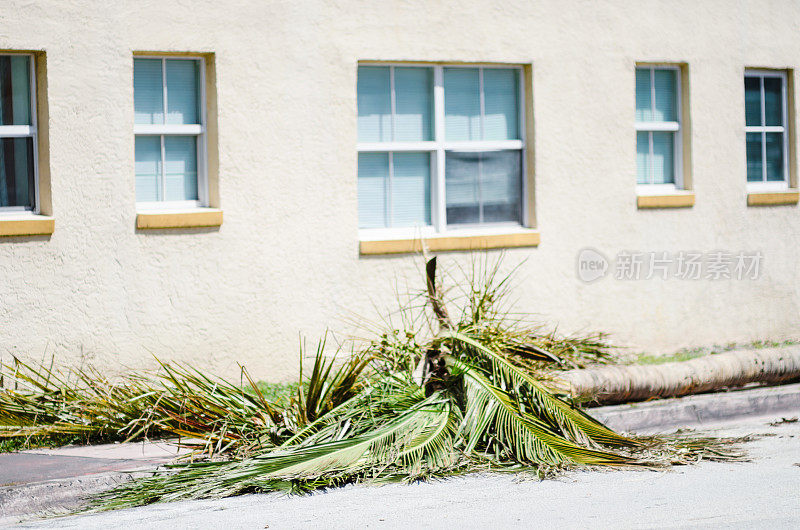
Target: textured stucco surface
[{"x": 286, "y": 259}]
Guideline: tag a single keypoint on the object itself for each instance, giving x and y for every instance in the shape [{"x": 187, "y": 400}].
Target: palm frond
[
  {"x": 456, "y": 390},
  {"x": 572, "y": 421},
  {"x": 493, "y": 412}
]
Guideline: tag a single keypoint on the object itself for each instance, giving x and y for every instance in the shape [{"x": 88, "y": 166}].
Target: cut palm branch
[
  {"x": 469, "y": 393},
  {"x": 622, "y": 384}
]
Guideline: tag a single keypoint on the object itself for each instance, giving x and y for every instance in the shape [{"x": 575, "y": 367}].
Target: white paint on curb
[{"x": 694, "y": 411}]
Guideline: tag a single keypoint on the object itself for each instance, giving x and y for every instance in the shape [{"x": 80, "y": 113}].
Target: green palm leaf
[
  {"x": 573, "y": 421},
  {"x": 402, "y": 445},
  {"x": 409, "y": 405},
  {"x": 491, "y": 410}
]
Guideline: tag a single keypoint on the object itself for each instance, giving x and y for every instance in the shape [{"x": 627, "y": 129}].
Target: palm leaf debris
[{"x": 466, "y": 394}]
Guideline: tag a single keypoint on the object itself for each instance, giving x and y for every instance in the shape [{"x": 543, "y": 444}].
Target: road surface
[{"x": 762, "y": 493}]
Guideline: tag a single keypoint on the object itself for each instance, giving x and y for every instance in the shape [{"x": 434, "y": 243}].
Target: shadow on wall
[
  {"x": 176, "y": 231},
  {"x": 24, "y": 239}
]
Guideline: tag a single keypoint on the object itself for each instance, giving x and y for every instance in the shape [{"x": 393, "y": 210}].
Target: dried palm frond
[{"x": 471, "y": 393}]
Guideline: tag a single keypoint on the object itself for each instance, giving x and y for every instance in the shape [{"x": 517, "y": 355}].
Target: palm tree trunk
[{"x": 620, "y": 384}]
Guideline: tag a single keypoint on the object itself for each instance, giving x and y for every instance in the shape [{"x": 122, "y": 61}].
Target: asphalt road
[{"x": 762, "y": 493}]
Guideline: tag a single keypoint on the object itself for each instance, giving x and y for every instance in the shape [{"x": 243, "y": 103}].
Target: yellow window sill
[
  {"x": 201, "y": 217},
  {"x": 445, "y": 243},
  {"x": 773, "y": 198},
  {"x": 29, "y": 225},
  {"x": 676, "y": 200}
]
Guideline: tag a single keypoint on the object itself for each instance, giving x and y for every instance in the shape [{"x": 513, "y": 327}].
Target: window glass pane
[
  {"x": 413, "y": 104},
  {"x": 752, "y": 101},
  {"x": 373, "y": 177},
  {"x": 663, "y": 155},
  {"x": 666, "y": 95},
  {"x": 148, "y": 168},
  {"x": 462, "y": 104},
  {"x": 16, "y": 172},
  {"x": 773, "y": 101},
  {"x": 500, "y": 186},
  {"x": 180, "y": 164},
  {"x": 501, "y": 104},
  {"x": 411, "y": 196},
  {"x": 642, "y": 157},
  {"x": 461, "y": 187},
  {"x": 148, "y": 97},
  {"x": 775, "y": 156},
  {"x": 754, "y": 168},
  {"x": 483, "y": 187},
  {"x": 374, "y": 105},
  {"x": 644, "y": 104},
  {"x": 183, "y": 89},
  {"x": 15, "y": 90}
]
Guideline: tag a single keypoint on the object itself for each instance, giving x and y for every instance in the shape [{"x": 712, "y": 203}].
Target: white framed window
[
  {"x": 440, "y": 147},
  {"x": 659, "y": 146},
  {"x": 19, "y": 180},
  {"x": 170, "y": 132},
  {"x": 766, "y": 143}
]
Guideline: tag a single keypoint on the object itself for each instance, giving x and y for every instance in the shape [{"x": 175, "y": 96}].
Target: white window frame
[
  {"x": 437, "y": 149},
  {"x": 765, "y": 185},
  {"x": 26, "y": 131},
  {"x": 162, "y": 130},
  {"x": 663, "y": 126}
]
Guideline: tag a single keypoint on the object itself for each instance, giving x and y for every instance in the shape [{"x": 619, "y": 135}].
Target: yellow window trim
[
  {"x": 446, "y": 243},
  {"x": 682, "y": 200},
  {"x": 773, "y": 198},
  {"x": 202, "y": 217},
  {"x": 35, "y": 225}
]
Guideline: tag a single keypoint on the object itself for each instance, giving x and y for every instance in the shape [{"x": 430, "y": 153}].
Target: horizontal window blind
[
  {"x": 167, "y": 95},
  {"x": 148, "y": 94},
  {"x": 374, "y": 104},
  {"x": 393, "y": 189},
  {"x": 477, "y": 146},
  {"x": 662, "y": 157},
  {"x": 413, "y": 104},
  {"x": 766, "y": 142},
  {"x": 148, "y": 169},
  {"x": 180, "y": 168},
  {"x": 462, "y": 104},
  {"x": 183, "y": 91},
  {"x": 501, "y": 104},
  {"x": 657, "y": 125}
]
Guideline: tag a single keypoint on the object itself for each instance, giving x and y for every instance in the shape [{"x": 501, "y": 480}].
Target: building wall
[{"x": 286, "y": 260}]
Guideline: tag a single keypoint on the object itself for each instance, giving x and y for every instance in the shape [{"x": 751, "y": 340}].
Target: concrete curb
[
  {"x": 53, "y": 497},
  {"x": 35, "y": 500},
  {"x": 695, "y": 411},
  {"x": 46, "y": 482}
]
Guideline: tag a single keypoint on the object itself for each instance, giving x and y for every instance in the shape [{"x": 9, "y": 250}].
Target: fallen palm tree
[
  {"x": 621, "y": 384},
  {"x": 444, "y": 395}
]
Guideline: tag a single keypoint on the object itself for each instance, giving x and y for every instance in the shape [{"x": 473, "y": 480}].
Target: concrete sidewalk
[
  {"x": 50, "y": 481},
  {"x": 38, "y": 465}
]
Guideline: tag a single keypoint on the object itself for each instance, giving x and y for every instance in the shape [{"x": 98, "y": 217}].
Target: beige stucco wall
[{"x": 286, "y": 262}]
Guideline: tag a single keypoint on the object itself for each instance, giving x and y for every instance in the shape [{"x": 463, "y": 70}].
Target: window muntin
[
  {"x": 170, "y": 131},
  {"x": 439, "y": 146},
  {"x": 18, "y": 142},
  {"x": 766, "y": 138},
  {"x": 658, "y": 126}
]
